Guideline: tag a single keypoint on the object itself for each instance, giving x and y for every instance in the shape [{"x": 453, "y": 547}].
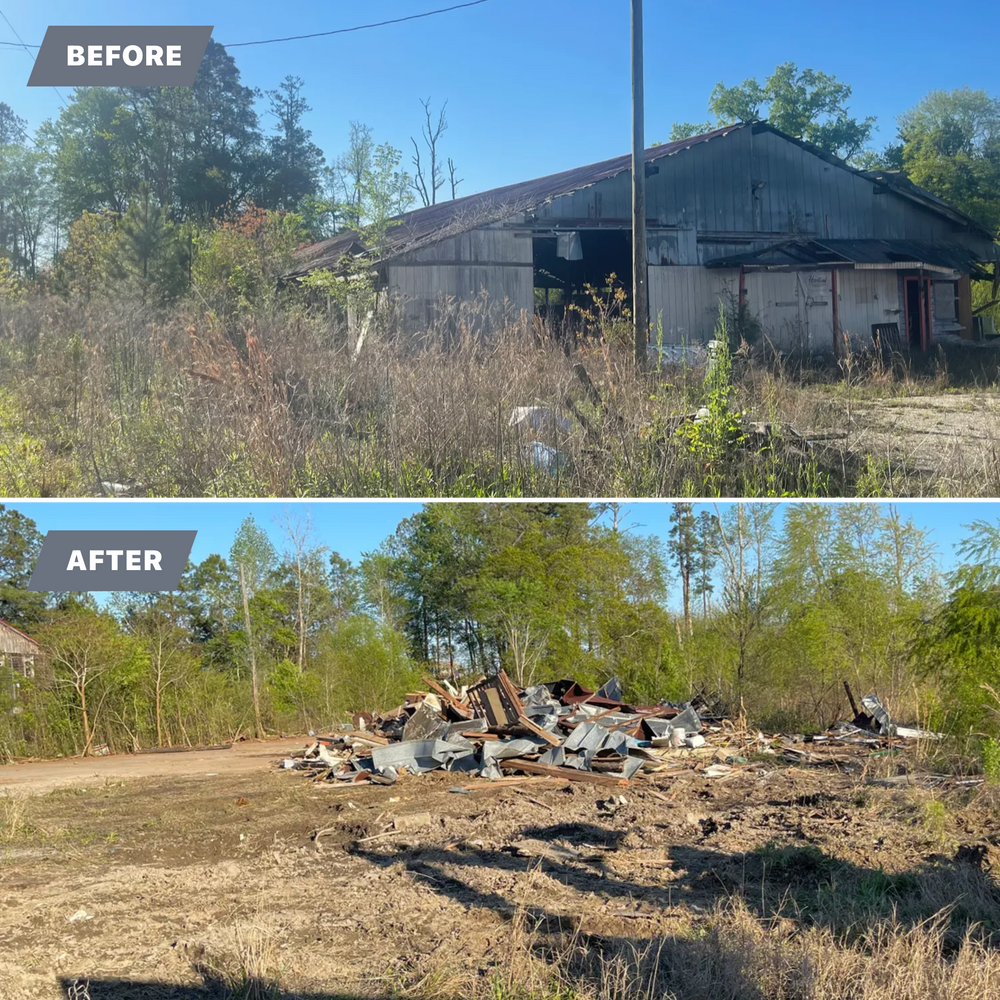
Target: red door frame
[{"x": 923, "y": 305}]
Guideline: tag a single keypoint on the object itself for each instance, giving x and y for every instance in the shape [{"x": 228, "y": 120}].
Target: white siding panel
[
  {"x": 686, "y": 301},
  {"x": 867, "y": 297}
]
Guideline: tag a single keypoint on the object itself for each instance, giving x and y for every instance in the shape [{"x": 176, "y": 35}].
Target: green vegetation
[{"x": 772, "y": 621}]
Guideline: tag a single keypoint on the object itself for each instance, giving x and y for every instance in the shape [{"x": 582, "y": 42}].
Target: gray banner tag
[
  {"x": 112, "y": 560},
  {"x": 120, "y": 56}
]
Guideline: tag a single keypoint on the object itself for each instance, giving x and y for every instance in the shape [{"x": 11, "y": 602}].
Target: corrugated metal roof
[
  {"x": 953, "y": 256},
  {"x": 450, "y": 218}
]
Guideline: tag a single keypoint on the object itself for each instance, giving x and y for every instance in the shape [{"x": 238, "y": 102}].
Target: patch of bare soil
[
  {"x": 146, "y": 887},
  {"x": 951, "y": 436}
]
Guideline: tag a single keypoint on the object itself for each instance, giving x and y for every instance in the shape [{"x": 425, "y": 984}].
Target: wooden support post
[{"x": 640, "y": 295}]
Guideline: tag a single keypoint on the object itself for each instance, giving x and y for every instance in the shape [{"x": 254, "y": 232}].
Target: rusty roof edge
[{"x": 23, "y": 635}]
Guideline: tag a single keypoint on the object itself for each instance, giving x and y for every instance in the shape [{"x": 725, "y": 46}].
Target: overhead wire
[
  {"x": 28, "y": 49},
  {"x": 296, "y": 38}
]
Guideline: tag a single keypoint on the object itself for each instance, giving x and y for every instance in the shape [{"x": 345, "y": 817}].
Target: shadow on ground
[
  {"x": 797, "y": 883},
  {"x": 212, "y": 989}
]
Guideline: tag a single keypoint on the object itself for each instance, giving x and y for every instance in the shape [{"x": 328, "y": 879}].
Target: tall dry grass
[
  {"x": 13, "y": 816},
  {"x": 109, "y": 397}
]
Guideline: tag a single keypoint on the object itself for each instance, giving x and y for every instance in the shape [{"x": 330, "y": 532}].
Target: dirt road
[{"x": 46, "y": 775}]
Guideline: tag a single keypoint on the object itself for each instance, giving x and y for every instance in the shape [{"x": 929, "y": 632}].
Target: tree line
[
  {"x": 130, "y": 183},
  {"x": 750, "y": 611}
]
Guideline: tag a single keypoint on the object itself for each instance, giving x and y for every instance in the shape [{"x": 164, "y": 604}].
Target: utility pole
[{"x": 640, "y": 298}]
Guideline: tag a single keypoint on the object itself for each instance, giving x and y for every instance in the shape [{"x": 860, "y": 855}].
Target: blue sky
[
  {"x": 536, "y": 86},
  {"x": 352, "y": 528}
]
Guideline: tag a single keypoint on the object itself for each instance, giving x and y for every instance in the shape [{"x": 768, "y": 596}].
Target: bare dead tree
[
  {"x": 451, "y": 176},
  {"x": 427, "y": 185}
]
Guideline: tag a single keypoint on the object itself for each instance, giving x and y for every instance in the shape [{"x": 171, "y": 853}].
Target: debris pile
[
  {"x": 562, "y": 730},
  {"x": 493, "y": 728}
]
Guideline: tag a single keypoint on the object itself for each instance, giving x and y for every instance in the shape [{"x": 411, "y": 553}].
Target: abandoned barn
[
  {"x": 812, "y": 249},
  {"x": 20, "y": 655}
]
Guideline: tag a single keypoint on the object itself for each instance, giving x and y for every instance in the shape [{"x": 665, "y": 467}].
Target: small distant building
[
  {"x": 809, "y": 247},
  {"x": 20, "y": 656}
]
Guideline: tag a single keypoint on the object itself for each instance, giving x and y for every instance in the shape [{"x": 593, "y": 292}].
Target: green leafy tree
[
  {"x": 951, "y": 146},
  {"x": 20, "y": 545},
  {"x": 252, "y": 557},
  {"x": 159, "y": 623},
  {"x": 91, "y": 657},
  {"x": 25, "y": 209},
  {"x": 363, "y": 666},
  {"x": 806, "y": 103},
  {"x": 91, "y": 262},
  {"x": 13, "y": 128},
  {"x": 961, "y": 650}
]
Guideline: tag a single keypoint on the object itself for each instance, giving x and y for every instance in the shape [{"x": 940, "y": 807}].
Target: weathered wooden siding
[
  {"x": 490, "y": 265},
  {"x": 12, "y": 641},
  {"x": 685, "y": 300},
  {"x": 867, "y": 297}
]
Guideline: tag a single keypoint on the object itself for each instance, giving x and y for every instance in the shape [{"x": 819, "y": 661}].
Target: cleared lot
[{"x": 206, "y": 873}]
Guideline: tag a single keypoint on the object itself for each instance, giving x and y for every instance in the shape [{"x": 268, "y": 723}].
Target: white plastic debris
[
  {"x": 694, "y": 741},
  {"x": 540, "y": 419}
]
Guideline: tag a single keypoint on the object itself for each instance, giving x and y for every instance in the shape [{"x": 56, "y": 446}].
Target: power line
[
  {"x": 318, "y": 34},
  {"x": 28, "y": 50},
  {"x": 360, "y": 27}
]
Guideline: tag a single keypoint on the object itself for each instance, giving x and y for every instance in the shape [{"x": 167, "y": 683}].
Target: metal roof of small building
[{"x": 805, "y": 252}]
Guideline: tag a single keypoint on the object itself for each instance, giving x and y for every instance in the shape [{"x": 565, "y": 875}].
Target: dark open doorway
[
  {"x": 560, "y": 281},
  {"x": 917, "y": 299}
]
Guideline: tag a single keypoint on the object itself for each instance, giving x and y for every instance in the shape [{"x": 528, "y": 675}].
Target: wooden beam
[
  {"x": 525, "y": 723},
  {"x": 552, "y": 771}
]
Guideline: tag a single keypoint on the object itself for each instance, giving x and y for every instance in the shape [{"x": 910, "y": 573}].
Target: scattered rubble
[{"x": 565, "y": 732}]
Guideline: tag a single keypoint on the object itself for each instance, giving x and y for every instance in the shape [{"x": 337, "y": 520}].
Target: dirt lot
[
  {"x": 184, "y": 873},
  {"x": 952, "y": 436}
]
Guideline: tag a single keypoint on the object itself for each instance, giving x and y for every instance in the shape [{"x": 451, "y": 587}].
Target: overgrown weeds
[{"x": 110, "y": 397}]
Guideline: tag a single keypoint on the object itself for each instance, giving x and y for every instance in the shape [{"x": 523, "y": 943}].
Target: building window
[{"x": 946, "y": 300}]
